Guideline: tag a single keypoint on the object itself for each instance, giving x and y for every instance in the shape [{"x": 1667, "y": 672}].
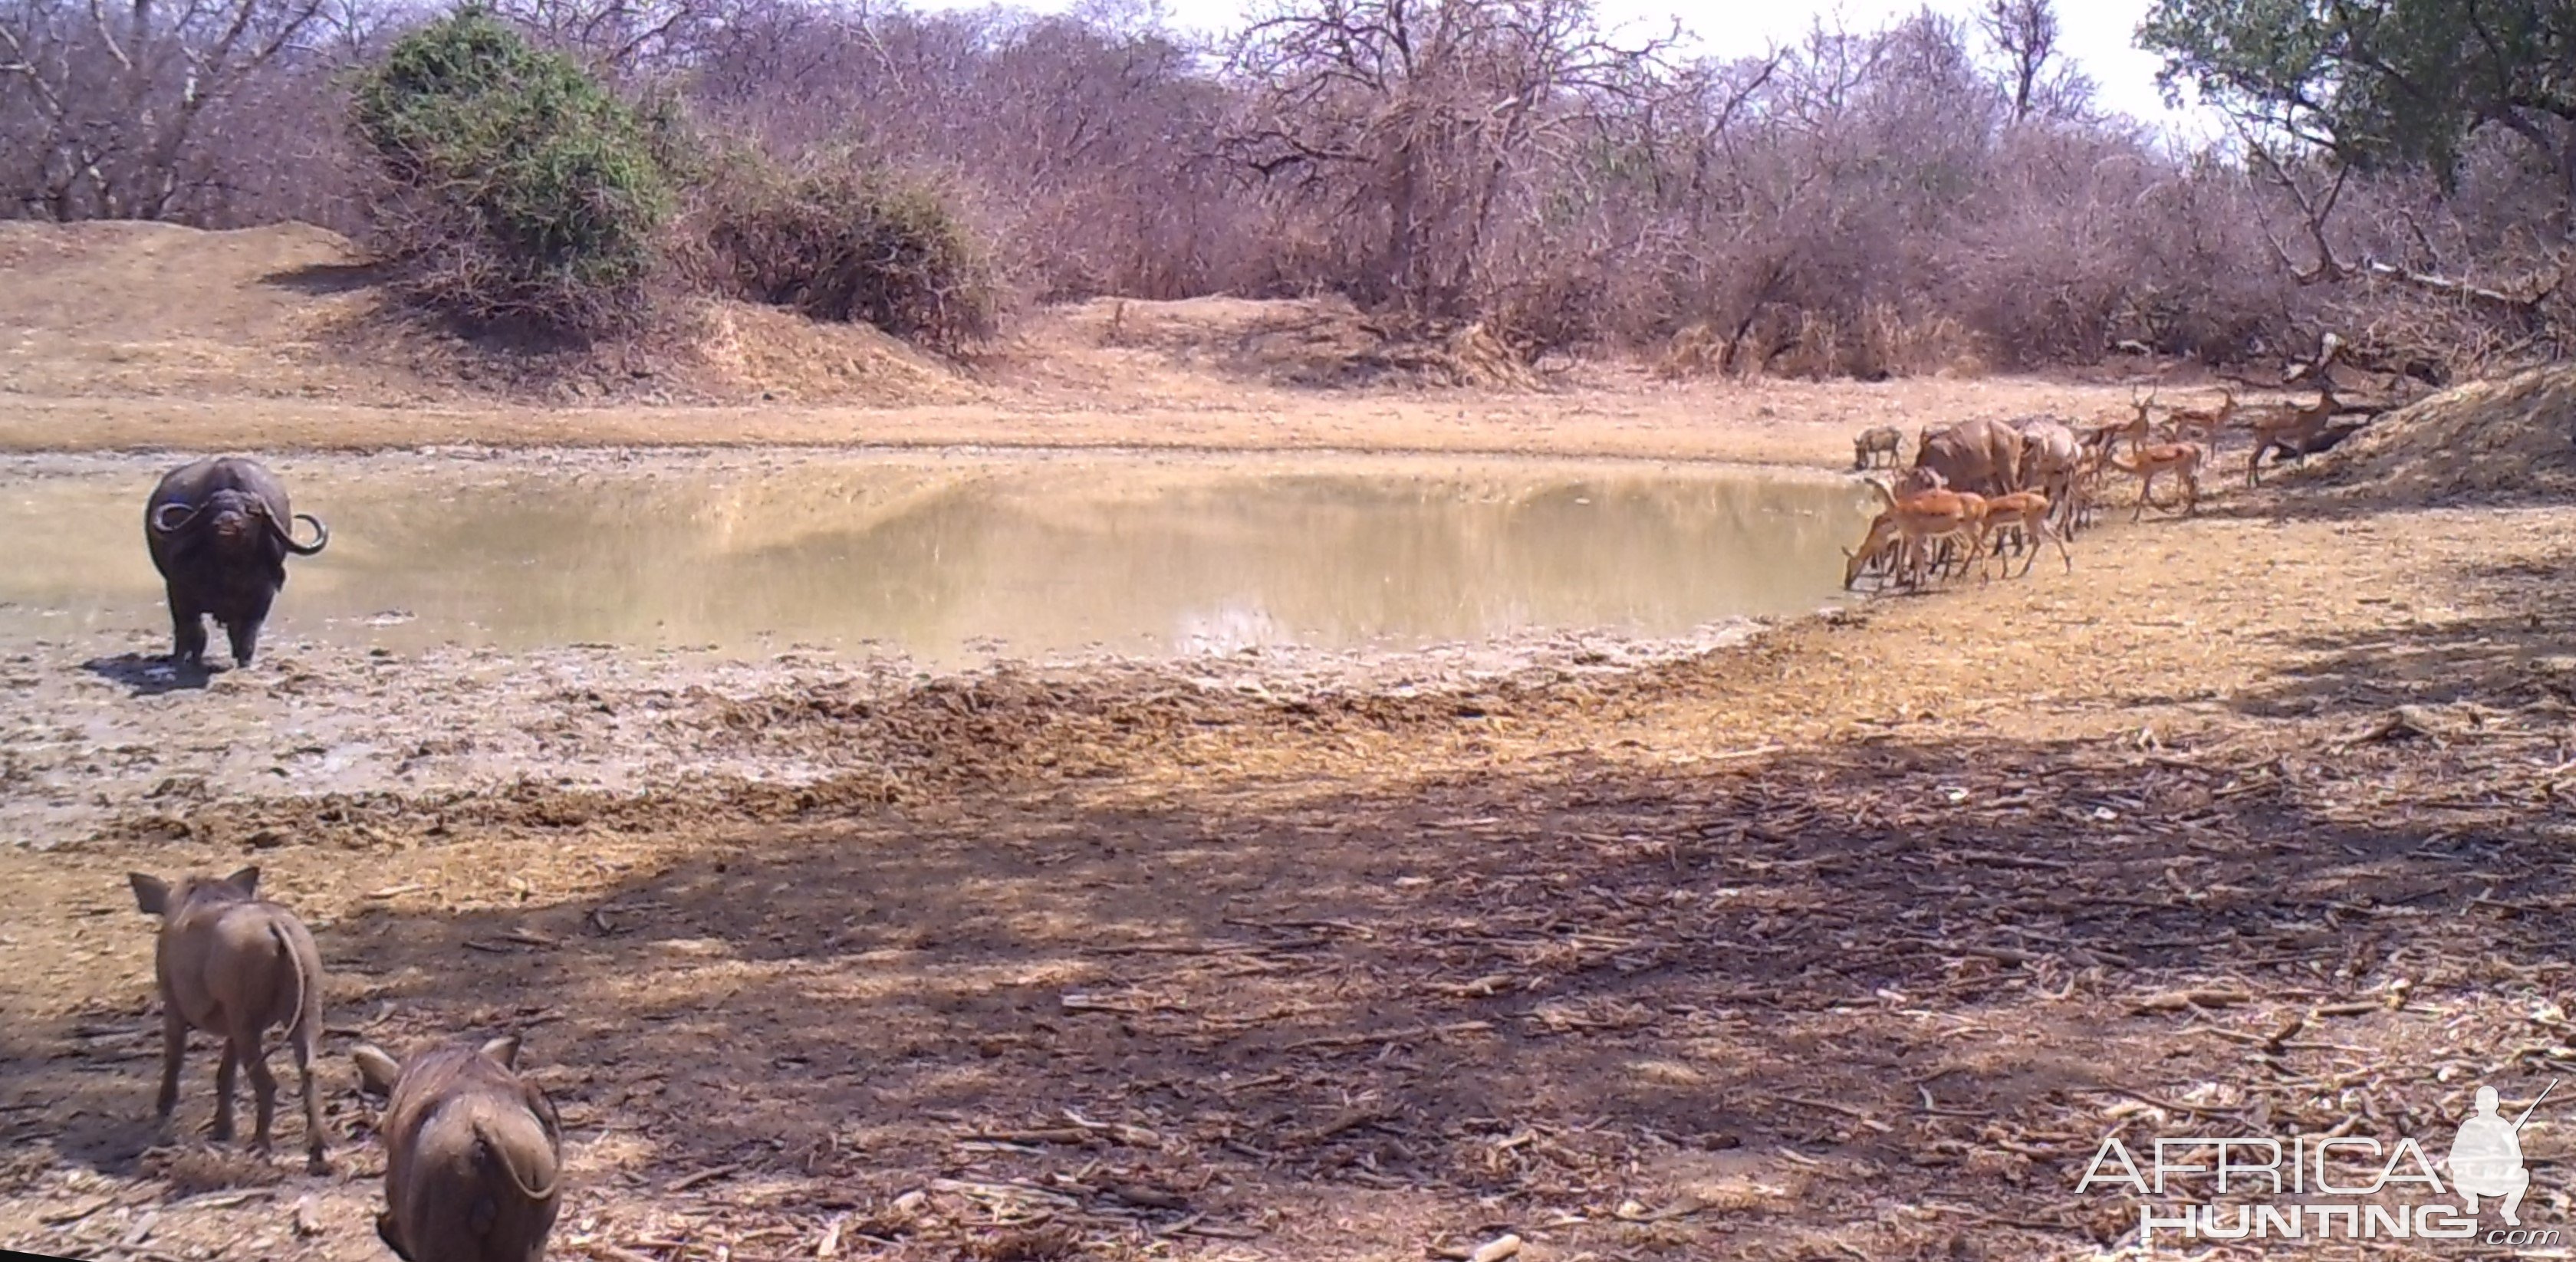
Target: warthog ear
[
  {"x": 504, "y": 1049},
  {"x": 376, "y": 1070},
  {"x": 247, "y": 880},
  {"x": 151, "y": 893}
]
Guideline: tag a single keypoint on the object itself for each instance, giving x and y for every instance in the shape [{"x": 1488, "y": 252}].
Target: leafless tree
[
  {"x": 99, "y": 105},
  {"x": 620, "y": 36},
  {"x": 2038, "y": 79},
  {"x": 1414, "y": 118}
]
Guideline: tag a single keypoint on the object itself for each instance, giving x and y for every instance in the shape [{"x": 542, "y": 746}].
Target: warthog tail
[
  {"x": 495, "y": 1155},
  {"x": 294, "y": 966}
]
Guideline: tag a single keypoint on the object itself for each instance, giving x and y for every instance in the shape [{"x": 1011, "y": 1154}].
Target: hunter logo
[
  {"x": 2486, "y": 1158},
  {"x": 2380, "y": 1191}
]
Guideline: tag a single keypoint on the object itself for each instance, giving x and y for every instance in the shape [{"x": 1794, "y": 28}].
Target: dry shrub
[
  {"x": 1900, "y": 345},
  {"x": 1877, "y": 343},
  {"x": 1693, "y": 352},
  {"x": 1557, "y": 308},
  {"x": 845, "y": 240},
  {"x": 1475, "y": 356}
]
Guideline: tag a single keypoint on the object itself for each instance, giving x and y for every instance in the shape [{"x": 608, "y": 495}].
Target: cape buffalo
[
  {"x": 1979, "y": 456},
  {"x": 219, "y": 533},
  {"x": 2050, "y": 456}
]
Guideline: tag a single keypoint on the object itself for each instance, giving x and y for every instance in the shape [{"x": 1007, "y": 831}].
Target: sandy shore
[{"x": 1627, "y": 415}]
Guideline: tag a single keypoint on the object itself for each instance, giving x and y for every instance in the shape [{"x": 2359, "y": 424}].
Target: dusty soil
[{"x": 1852, "y": 941}]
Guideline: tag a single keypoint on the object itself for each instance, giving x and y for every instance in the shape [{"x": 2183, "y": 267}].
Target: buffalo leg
[
  {"x": 187, "y": 633},
  {"x": 245, "y": 632},
  {"x": 245, "y": 637}
]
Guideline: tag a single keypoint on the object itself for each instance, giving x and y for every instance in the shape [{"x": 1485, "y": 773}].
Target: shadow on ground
[
  {"x": 1926, "y": 969},
  {"x": 325, "y": 279},
  {"x": 2288, "y": 499},
  {"x": 2519, "y": 657},
  {"x": 148, "y": 675}
]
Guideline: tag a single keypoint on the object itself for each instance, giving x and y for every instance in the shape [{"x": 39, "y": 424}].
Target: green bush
[
  {"x": 520, "y": 189},
  {"x": 856, "y": 243}
]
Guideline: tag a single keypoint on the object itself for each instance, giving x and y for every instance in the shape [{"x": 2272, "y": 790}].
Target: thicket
[
  {"x": 516, "y": 188},
  {"x": 1892, "y": 200},
  {"x": 844, "y": 239}
]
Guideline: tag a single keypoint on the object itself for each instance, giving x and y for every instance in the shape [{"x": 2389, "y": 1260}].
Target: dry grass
[{"x": 1315, "y": 342}]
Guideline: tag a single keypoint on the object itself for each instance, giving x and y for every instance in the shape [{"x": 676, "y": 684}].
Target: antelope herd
[{"x": 1979, "y": 487}]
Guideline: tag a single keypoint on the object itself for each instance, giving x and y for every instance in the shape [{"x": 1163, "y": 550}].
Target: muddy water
[{"x": 950, "y": 557}]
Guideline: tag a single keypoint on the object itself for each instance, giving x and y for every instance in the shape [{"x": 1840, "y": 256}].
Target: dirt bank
[
  {"x": 144, "y": 336},
  {"x": 1852, "y": 941},
  {"x": 2491, "y": 441},
  {"x": 1769, "y": 423}
]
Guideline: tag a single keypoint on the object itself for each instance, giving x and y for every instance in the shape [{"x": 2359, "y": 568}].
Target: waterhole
[{"x": 955, "y": 556}]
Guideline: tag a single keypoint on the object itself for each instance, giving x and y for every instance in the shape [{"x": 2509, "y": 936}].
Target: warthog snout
[
  {"x": 233, "y": 965},
  {"x": 473, "y": 1154}
]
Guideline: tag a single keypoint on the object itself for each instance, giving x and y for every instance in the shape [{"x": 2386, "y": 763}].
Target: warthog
[
  {"x": 218, "y": 532},
  {"x": 1876, "y": 441},
  {"x": 233, "y": 964},
  {"x": 473, "y": 1154}
]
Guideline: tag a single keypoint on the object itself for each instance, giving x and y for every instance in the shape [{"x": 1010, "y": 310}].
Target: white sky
[{"x": 2097, "y": 34}]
